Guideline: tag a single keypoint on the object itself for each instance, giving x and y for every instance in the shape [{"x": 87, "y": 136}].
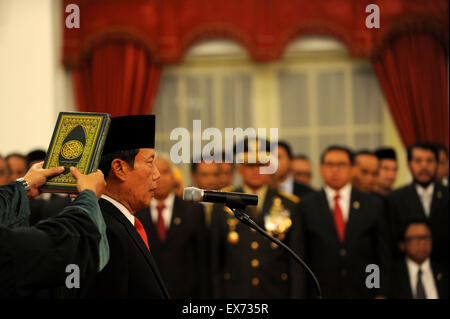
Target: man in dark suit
[
  {"x": 130, "y": 174},
  {"x": 414, "y": 276},
  {"x": 344, "y": 231},
  {"x": 245, "y": 264},
  {"x": 301, "y": 169},
  {"x": 284, "y": 179},
  {"x": 423, "y": 198},
  {"x": 177, "y": 236}
]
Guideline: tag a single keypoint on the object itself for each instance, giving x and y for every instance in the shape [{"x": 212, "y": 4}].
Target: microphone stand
[{"x": 245, "y": 219}]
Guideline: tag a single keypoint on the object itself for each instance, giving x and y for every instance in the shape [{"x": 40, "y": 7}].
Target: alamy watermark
[{"x": 180, "y": 152}]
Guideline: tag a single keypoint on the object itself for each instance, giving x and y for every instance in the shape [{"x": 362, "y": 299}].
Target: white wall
[{"x": 34, "y": 86}]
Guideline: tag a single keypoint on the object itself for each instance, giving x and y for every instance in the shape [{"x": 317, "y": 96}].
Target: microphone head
[{"x": 192, "y": 194}]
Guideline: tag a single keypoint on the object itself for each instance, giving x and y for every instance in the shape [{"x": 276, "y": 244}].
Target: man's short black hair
[
  {"x": 414, "y": 221},
  {"x": 441, "y": 148},
  {"x": 425, "y": 146},
  {"x": 286, "y": 147},
  {"x": 36, "y": 155},
  {"x": 128, "y": 156},
  {"x": 338, "y": 148}
]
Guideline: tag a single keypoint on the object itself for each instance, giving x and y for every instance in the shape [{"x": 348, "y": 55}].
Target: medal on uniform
[
  {"x": 278, "y": 221},
  {"x": 233, "y": 236}
]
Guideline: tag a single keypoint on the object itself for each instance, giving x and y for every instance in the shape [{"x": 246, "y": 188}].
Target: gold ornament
[
  {"x": 233, "y": 237},
  {"x": 72, "y": 149}
]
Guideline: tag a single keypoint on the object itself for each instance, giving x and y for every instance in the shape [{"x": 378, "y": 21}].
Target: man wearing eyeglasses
[
  {"x": 416, "y": 277},
  {"x": 344, "y": 231}
]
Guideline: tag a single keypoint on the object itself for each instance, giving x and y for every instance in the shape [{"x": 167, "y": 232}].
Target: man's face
[
  {"x": 366, "y": 172},
  {"x": 251, "y": 176},
  {"x": 336, "y": 169},
  {"x": 423, "y": 165},
  {"x": 206, "y": 176},
  {"x": 4, "y": 172},
  {"x": 226, "y": 171},
  {"x": 387, "y": 174},
  {"x": 166, "y": 183},
  {"x": 418, "y": 243},
  {"x": 442, "y": 166},
  {"x": 18, "y": 167},
  {"x": 141, "y": 181},
  {"x": 283, "y": 164},
  {"x": 301, "y": 169}
]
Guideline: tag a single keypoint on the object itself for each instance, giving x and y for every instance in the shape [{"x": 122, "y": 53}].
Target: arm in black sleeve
[
  {"x": 14, "y": 205},
  {"x": 33, "y": 258}
]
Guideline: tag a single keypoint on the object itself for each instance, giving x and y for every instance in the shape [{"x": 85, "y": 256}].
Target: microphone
[{"x": 232, "y": 200}]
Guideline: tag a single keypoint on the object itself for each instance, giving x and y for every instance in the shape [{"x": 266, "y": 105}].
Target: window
[{"x": 316, "y": 95}]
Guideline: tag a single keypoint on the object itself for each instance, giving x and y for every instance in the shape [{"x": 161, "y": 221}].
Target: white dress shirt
[
  {"x": 344, "y": 199},
  {"x": 445, "y": 181},
  {"x": 120, "y": 207},
  {"x": 167, "y": 211},
  {"x": 288, "y": 185},
  {"x": 426, "y": 197},
  {"x": 427, "y": 278}
]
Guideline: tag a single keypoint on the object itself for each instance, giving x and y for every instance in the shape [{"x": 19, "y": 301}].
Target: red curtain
[
  {"x": 117, "y": 78},
  {"x": 412, "y": 71}
]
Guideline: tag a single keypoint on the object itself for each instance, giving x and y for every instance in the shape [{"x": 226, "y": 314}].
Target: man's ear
[
  {"x": 402, "y": 246},
  {"x": 119, "y": 169}
]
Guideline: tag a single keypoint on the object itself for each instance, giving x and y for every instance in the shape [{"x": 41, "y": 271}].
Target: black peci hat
[
  {"x": 386, "y": 153},
  {"x": 130, "y": 132}
]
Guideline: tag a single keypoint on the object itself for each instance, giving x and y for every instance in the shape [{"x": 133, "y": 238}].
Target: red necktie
[
  {"x": 140, "y": 229},
  {"x": 338, "y": 218},
  {"x": 160, "y": 225}
]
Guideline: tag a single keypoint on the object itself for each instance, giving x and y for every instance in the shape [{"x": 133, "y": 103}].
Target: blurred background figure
[
  {"x": 415, "y": 276},
  {"x": 46, "y": 204},
  {"x": 226, "y": 175},
  {"x": 301, "y": 169},
  {"x": 442, "y": 173},
  {"x": 177, "y": 237},
  {"x": 387, "y": 173},
  {"x": 179, "y": 180},
  {"x": 283, "y": 177},
  {"x": 244, "y": 263},
  {"x": 206, "y": 176},
  {"x": 423, "y": 198},
  {"x": 344, "y": 231},
  {"x": 4, "y": 172},
  {"x": 17, "y": 164},
  {"x": 365, "y": 171}
]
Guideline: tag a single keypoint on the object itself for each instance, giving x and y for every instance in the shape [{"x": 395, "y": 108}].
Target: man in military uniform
[{"x": 244, "y": 263}]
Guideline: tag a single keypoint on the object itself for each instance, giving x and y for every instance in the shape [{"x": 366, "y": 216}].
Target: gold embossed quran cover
[{"x": 78, "y": 140}]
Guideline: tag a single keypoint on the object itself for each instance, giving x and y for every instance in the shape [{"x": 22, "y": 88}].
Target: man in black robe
[{"x": 36, "y": 258}]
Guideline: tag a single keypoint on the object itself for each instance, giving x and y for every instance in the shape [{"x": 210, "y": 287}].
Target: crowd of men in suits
[{"x": 356, "y": 219}]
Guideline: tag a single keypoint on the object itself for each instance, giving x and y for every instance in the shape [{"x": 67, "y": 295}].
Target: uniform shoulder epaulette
[
  {"x": 228, "y": 188},
  {"x": 291, "y": 197}
]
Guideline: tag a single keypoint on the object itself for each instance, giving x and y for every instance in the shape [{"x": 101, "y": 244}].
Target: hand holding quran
[{"x": 77, "y": 140}]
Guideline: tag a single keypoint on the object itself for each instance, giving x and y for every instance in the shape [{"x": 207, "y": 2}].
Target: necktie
[
  {"x": 140, "y": 229},
  {"x": 338, "y": 218},
  {"x": 160, "y": 225},
  {"x": 420, "y": 291}
]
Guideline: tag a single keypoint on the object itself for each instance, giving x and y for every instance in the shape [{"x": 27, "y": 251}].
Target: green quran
[{"x": 77, "y": 140}]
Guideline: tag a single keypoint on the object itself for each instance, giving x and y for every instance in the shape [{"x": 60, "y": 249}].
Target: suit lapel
[
  {"x": 325, "y": 213},
  {"x": 354, "y": 214},
  {"x": 132, "y": 232},
  {"x": 415, "y": 200},
  {"x": 177, "y": 210},
  {"x": 437, "y": 197}
]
